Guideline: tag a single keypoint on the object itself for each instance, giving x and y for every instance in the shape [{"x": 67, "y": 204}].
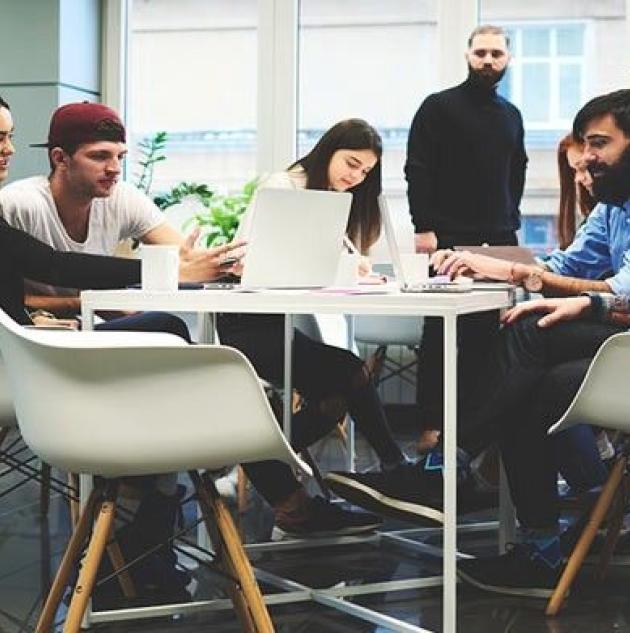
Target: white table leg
[
  {"x": 87, "y": 317},
  {"x": 351, "y": 449},
  {"x": 288, "y": 387},
  {"x": 449, "y": 588}
]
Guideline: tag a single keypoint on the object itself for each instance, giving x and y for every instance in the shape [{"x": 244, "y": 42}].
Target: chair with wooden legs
[
  {"x": 602, "y": 401},
  {"x": 119, "y": 404}
]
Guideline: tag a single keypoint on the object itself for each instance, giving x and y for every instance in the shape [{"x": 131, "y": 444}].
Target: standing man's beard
[
  {"x": 485, "y": 77},
  {"x": 611, "y": 183}
]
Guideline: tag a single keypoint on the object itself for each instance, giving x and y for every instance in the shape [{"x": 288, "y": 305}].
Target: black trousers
[
  {"x": 322, "y": 374},
  {"x": 526, "y": 380},
  {"x": 474, "y": 333}
]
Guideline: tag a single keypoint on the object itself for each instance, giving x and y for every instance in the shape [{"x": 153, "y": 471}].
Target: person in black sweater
[
  {"x": 466, "y": 158},
  {"x": 465, "y": 171}
]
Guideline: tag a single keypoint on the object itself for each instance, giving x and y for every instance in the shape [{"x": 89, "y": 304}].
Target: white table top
[{"x": 388, "y": 301}]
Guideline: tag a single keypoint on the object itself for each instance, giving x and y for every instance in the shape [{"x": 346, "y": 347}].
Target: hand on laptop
[
  {"x": 206, "y": 264},
  {"x": 458, "y": 263}
]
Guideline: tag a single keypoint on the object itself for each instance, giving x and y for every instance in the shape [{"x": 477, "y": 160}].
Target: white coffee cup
[
  {"x": 347, "y": 270},
  {"x": 160, "y": 267},
  {"x": 415, "y": 267}
]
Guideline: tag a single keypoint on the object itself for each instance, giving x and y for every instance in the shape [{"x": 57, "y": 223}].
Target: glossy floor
[{"x": 30, "y": 548}]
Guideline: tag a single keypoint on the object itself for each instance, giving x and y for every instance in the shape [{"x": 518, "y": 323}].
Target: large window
[
  {"x": 546, "y": 76},
  {"x": 193, "y": 69},
  {"x": 557, "y": 67},
  {"x": 371, "y": 60}
]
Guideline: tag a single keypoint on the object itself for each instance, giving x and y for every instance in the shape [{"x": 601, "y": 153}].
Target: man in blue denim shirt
[
  {"x": 534, "y": 367},
  {"x": 601, "y": 246},
  {"x": 540, "y": 362}
]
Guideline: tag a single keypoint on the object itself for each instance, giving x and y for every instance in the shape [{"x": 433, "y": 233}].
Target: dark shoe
[
  {"x": 409, "y": 492},
  {"x": 519, "y": 572},
  {"x": 318, "y": 517}
]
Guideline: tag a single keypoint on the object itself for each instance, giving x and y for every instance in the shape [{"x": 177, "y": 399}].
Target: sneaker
[
  {"x": 409, "y": 492},
  {"x": 319, "y": 517},
  {"x": 519, "y": 572}
]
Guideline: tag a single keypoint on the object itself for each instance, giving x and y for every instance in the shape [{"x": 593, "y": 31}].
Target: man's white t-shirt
[{"x": 127, "y": 213}]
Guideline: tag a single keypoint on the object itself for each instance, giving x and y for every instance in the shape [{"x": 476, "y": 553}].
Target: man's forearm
[
  {"x": 559, "y": 286},
  {"x": 554, "y": 285},
  {"x": 56, "y": 305}
]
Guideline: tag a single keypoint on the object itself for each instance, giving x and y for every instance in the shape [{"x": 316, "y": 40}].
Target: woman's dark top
[{"x": 23, "y": 256}]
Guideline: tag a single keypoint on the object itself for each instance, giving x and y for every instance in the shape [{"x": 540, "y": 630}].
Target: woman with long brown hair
[
  {"x": 331, "y": 381},
  {"x": 576, "y": 200}
]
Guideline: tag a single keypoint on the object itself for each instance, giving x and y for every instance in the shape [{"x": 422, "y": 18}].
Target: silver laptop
[
  {"x": 429, "y": 285},
  {"x": 296, "y": 238}
]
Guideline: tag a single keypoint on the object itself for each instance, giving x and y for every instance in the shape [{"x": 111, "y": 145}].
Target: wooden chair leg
[
  {"x": 241, "y": 490},
  {"x": 615, "y": 523},
  {"x": 75, "y": 508},
  {"x": 586, "y": 539},
  {"x": 222, "y": 556},
  {"x": 118, "y": 562},
  {"x": 44, "y": 490},
  {"x": 87, "y": 576},
  {"x": 257, "y": 617},
  {"x": 376, "y": 362},
  {"x": 73, "y": 550}
]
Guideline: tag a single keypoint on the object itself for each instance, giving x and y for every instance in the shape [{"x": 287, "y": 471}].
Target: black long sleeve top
[
  {"x": 466, "y": 162},
  {"x": 23, "y": 256}
]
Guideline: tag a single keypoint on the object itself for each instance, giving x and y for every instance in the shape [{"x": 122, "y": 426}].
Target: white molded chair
[
  {"x": 120, "y": 404},
  {"x": 602, "y": 400},
  {"x": 383, "y": 331}
]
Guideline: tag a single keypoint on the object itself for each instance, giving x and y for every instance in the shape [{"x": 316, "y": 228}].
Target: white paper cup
[
  {"x": 347, "y": 270},
  {"x": 160, "y": 267},
  {"x": 415, "y": 267}
]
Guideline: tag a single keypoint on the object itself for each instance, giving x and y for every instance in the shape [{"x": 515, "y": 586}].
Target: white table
[{"x": 447, "y": 306}]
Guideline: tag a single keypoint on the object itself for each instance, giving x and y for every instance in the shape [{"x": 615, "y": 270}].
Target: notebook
[{"x": 296, "y": 238}]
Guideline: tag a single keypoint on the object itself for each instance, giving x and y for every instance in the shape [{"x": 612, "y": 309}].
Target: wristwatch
[{"x": 534, "y": 281}]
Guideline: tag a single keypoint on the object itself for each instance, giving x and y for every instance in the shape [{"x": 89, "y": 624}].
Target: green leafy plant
[
  {"x": 181, "y": 191},
  {"x": 222, "y": 214},
  {"x": 151, "y": 151}
]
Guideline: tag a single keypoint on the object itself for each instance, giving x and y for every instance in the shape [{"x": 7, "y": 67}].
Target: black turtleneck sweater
[{"x": 466, "y": 162}]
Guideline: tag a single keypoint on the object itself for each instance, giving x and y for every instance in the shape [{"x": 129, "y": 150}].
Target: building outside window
[
  {"x": 557, "y": 66},
  {"x": 193, "y": 74},
  {"x": 371, "y": 60}
]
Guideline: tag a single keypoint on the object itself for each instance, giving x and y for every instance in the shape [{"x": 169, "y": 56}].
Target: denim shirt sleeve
[{"x": 588, "y": 256}]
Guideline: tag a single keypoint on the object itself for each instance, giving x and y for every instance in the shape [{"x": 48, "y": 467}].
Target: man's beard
[
  {"x": 485, "y": 77},
  {"x": 611, "y": 183}
]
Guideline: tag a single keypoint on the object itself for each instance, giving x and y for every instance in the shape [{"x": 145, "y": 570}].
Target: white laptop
[
  {"x": 296, "y": 238},
  {"x": 429, "y": 286}
]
